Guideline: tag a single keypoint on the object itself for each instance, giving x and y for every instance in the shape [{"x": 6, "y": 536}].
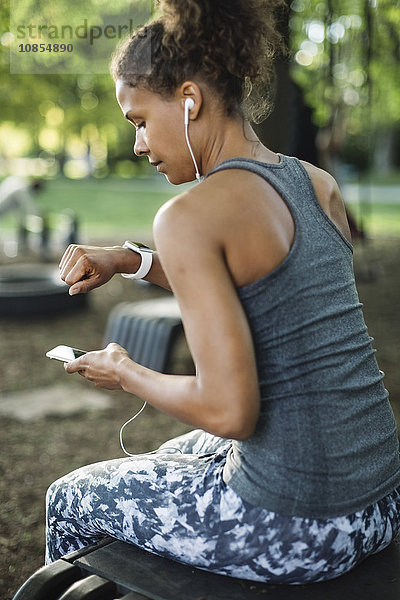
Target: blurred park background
[{"x": 337, "y": 105}]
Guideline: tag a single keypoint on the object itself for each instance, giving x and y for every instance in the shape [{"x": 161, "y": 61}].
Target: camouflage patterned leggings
[{"x": 178, "y": 506}]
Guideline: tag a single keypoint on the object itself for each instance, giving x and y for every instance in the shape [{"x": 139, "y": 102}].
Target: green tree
[
  {"x": 344, "y": 65},
  {"x": 346, "y": 59},
  {"x": 59, "y": 116}
]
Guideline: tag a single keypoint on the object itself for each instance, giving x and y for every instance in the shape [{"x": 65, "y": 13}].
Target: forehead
[
  {"x": 135, "y": 99},
  {"x": 130, "y": 97}
]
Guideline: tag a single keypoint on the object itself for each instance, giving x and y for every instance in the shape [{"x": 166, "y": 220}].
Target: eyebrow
[{"x": 132, "y": 119}]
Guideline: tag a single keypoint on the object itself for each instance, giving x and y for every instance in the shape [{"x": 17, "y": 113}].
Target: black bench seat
[{"x": 113, "y": 570}]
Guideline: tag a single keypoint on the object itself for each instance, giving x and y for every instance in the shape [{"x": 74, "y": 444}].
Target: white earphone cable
[
  {"x": 188, "y": 105},
  {"x": 198, "y": 176},
  {"x": 121, "y": 441}
]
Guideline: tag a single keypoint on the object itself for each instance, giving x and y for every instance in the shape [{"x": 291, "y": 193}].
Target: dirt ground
[{"x": 36, "y": 453}]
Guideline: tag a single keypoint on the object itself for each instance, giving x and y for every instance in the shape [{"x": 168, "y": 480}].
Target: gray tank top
[{"x": 325, "y": 443}]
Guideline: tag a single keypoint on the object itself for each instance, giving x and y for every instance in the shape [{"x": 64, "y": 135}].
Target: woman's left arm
[{"x": 223, "y": 396}]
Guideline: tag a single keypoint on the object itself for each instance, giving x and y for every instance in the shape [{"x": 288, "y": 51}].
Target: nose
[{"x": 140, "y": 147}]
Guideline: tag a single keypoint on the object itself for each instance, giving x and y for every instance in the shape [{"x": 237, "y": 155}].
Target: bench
[
  {"x": 113, "y": 570},
  {"x": 148, "y": 330}
]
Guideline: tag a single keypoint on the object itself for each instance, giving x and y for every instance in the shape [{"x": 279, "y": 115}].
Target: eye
[{"x": 141, "y": 125}]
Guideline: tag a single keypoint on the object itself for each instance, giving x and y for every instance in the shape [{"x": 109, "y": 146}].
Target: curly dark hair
[{"x": 231, "y": 46}]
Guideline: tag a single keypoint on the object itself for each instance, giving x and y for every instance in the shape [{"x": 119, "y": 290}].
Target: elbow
[
  {"x": 240, "y": 431},
  {"x": 238, "y": 424}
]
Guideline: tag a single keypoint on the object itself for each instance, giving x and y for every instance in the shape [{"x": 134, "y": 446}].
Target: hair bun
[
  {"x": 237, "y": 39},
  {"x": 231, "y": 45}
]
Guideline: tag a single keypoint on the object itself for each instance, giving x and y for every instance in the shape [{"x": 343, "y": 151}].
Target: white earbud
[{"x": 189, "y": 103}]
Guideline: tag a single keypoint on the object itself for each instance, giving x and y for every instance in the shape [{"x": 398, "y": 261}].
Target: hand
[
  {"x": 101, "y": 367},
  {"x": 87, "y": 267}
]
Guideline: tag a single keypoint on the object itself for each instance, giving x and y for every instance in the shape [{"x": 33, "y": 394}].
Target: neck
[{"x": 229, "y": 138}]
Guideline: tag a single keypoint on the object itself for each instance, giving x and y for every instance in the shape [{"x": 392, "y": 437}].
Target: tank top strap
[
  {"x": 284, "y": 176},
  {"x": 265, "y": 170},
  {"x": 293, "y": 183}
]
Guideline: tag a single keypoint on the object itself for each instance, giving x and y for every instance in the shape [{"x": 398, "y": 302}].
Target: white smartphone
[{"x": 65, "y": 353}]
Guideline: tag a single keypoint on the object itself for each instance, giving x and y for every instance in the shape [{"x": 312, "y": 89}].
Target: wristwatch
[{"x": 147, "y": 259}]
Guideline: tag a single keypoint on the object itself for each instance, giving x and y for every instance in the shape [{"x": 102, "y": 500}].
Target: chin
[{"x": 178, "y": 179}]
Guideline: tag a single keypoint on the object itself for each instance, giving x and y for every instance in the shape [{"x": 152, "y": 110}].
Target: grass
[
  {"x": 376, "y": 178},
  {"x": 378, "y": 219},
  {"x": 116, "y": 207},
  {"x": 109, "y": 206}
]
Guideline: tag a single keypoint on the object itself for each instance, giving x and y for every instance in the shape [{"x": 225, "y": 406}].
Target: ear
[{"x": 190, "y": 89}]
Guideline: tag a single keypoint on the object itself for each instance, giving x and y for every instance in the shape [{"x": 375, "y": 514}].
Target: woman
[{"x": 292, "y": 472}]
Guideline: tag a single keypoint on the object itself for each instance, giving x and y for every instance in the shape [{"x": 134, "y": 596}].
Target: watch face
[
  {"x": 141, "y": 246},
  {"x": 138, "y": 245}
]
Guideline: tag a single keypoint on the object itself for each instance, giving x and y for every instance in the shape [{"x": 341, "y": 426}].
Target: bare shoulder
[
  {"x": 190, "y": 244},
  {"x": 235, "y": 217},
  {"x": 182, "y": 225},
  {"x": 180, "y": 210},
  {"x": 202, "y": 206},
  {"x": 329, "y": 196},
  {"x": 322, "y": 180}
]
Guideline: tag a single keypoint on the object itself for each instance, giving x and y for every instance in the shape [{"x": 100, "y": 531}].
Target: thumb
[{"x": 79, "y": 288}]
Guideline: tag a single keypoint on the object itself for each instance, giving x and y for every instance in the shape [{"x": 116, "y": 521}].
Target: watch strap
[{"x": 146, "y": 255}]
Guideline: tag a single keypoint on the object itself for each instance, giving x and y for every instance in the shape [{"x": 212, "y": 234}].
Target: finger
[
  {"x": 75, "y": 260},
  {"x": 75, "y": 265},
  {"x": 83, "y": 287},
  {"x": 75, "y": 366},
  {"x": 67, "y": 367},
  {"x": 66, "y": 256},
  {"x": 76, "y": 271}
]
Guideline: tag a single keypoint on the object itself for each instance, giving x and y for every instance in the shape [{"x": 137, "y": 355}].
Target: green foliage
[
  {"x": 108, "y": 207},
  {"x": 65, "y": 116},
  {"x": 117, "y": 207},
  {"x": 346, "y": 59},
  {"x": 346, "y": 56}
]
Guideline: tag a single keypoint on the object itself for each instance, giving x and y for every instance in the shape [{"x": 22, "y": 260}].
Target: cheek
[{"x": 172, "y": 131}]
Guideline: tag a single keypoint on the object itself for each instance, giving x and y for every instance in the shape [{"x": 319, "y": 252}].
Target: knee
[{"x": 55, "y": 497}]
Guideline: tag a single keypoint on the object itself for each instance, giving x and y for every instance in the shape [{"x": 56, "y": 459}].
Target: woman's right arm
[{"x": 85, "y": 268}]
